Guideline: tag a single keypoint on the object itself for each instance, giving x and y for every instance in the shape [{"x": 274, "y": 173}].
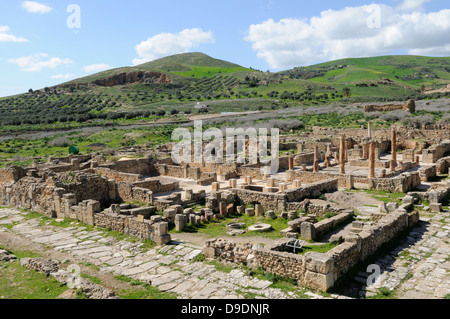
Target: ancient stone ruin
[{"x": 147, "y": 196}]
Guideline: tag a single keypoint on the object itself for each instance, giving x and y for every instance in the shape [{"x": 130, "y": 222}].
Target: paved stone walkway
[
  {"x": 418, "y": 268},
  {"x": 170, "y": 268}
]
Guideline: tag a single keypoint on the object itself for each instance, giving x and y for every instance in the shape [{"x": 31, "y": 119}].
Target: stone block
[
  {"x": 259, "y": 210},
  {"x": 162, "y": 239},
  {"x": 161, "y": 228},
  {"x": 308, "y": 231},
  {"x": 320, "y": 263},
  {"x": 436, "y": 207},
  {"x": 391, "y": 207},
  {"x": 170, "y": 213},
  {"x": 180, "y": 222},
  {"x": 271, "y": 214},
  {"x": 250, "y": 211}
]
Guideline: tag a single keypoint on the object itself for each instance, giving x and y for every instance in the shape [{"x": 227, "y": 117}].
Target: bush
[{"x": 61, "y": 141}]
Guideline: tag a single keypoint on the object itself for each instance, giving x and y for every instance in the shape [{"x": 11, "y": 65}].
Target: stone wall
[
  {"x": 443, "y": 165},
  {"x": 141, "y": 166},
  {"x": 311, "y": 177},
  {"x": 129, "y": 193},
  {"x": 156, "y": 186},
  {"x": 314, "y": 270},
  {"x": 11, "y": 174},
  {"x": 427, "y": 172},
  {"x": 436, "y": 152},
  {"x": 284, "y": 201},
  {"x": 410, "y": 106},
  {"x": 401, "y": 184},
  {"x": 116, "y": 175}
]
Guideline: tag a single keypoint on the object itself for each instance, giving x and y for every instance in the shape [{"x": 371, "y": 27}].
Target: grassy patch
[
  {"x": 142, "y": 290},
  {"x": 17, "y": 282},
  {"x": 383, "y": 293},
  {"x": 218, "y": 228},
  {"x": 318, "y": 248}
]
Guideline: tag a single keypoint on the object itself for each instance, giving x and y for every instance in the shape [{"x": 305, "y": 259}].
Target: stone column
[
  {"x": 291, "y": 163},
  {"x": 393, "y": 162},
  {"x": 369, "y": 129},
  {"x": 372, "y": 160},
  {"x": 316, "y": 159},
  {"x": 342, "y": 155}
]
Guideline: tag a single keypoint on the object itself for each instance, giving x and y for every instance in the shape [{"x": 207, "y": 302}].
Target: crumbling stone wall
[
  {"x": 280, "y": 202},
  {"x": 129, "y": 193},
  {"x": 410, "y": 106},
  {"x": 315, "y": 270},
  {"x": 311, "y": 177},
  {"x": 436, "y": 152},
  {"x": 427, "y": 172},
  {"x": 117, "y": 176},
  {"x": 156, "y": 186},
  {"x": 401, "y": 184},
  {"x": 140, "y": 166},
  {"x": 443, "y": 165}
]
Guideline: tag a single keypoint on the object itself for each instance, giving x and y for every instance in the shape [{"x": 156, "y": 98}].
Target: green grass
[
  {"x": 383, "y": 196},
  {"x": 383, "y": 293},
  {"x": 17, "y": 282},
  {"x": 203, "y": 71},
  {"x": 318, "y": 248},
  {"x": 218, "y": 228},
  {"x": 142, "y": 290}
]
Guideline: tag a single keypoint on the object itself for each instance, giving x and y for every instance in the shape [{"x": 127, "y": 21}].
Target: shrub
[{"x": 61, "y": 141}]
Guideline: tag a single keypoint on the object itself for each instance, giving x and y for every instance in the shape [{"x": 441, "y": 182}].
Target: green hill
[{"x": 175, "y": 84}]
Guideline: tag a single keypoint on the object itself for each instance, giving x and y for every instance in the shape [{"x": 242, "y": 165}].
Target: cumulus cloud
[
  {"x": 165, "y": 44},
  {"x": 34, "y": 63},
  {"x": 362, "y": 31},
  {"x": 96, "y": 67},
  {"x": 36, "y": 7},
  {"x": 412, "y": 5},
  {"x": 63, "y": 76},
  {"x": 5, "y": 37}
]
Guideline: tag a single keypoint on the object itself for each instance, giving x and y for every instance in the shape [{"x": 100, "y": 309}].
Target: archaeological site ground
[{"x": 357, "y": 208}]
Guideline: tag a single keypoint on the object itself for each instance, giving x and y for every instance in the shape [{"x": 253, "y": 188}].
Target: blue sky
[{"x": 39, "y": 48}]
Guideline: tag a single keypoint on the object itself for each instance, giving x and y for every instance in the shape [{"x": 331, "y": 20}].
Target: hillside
[{"x": 174, "y": 85}]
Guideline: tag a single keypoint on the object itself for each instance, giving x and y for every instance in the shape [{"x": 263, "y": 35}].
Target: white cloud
[
  {"x": 351, "y": 32},
  {"x": 36, "y": 7},
  {"x": 5, "y": 37},
  {"x": 412, "y": 5},
  {"x": 165, "y": 44},
  {"x": 34, "y": 63},
  {"x": 96, "y": 67},
  {"x": 63, "y": 76}
]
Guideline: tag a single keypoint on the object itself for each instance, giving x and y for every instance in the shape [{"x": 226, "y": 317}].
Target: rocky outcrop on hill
[{"x": 134, "y": 77}]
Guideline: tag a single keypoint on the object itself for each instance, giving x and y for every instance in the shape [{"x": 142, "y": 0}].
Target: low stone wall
[
  {"x": 116, "y": 175},
  {"x": 304, "y": 158},
  {"x": 325, "y": 226},
  {"x": 11, "y": 174},
  {"x": 156, "y": 186},
  {"x": 312, "y": 190},
  {"x": 401, "y": 184},
  {"x": 311, "y": 177},
  {"x": 284, "y": 201},
  {"x": 128, "y": 193},
  {"x": 426, "y": 173},
  {"x": 315, "y": 270},
  {"x": 436, "y": 152},
  {"x": 443, "y": 165},
  {"x": 140, "y": 166}
]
